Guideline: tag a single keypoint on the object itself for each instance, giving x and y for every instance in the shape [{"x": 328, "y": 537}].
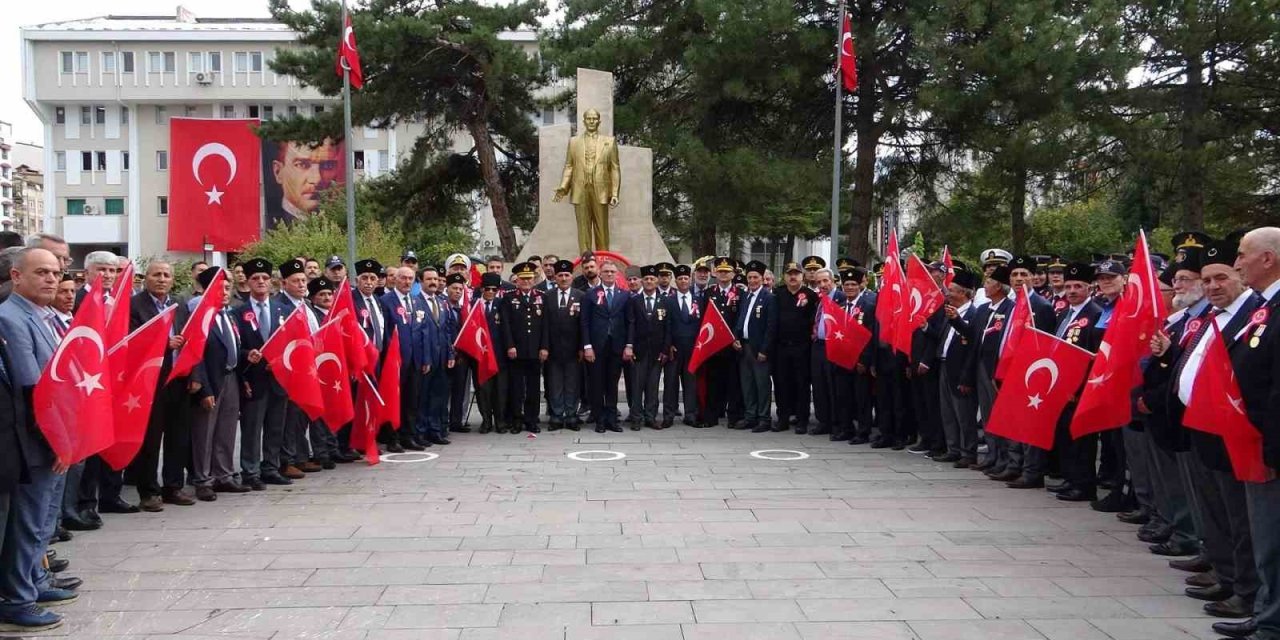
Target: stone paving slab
[{"x": 688, "y": 537}]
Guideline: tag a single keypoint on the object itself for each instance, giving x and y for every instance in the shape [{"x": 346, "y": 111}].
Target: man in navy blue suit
[
  {"x": 754, "y": 332},
  {"x": 407, "y": 311},
  {"x": 650, "y": 344},
  {"x": 684, "y": 308},
  {"x": 604, "y": 335},
  {"x": 435, "y": 342}
]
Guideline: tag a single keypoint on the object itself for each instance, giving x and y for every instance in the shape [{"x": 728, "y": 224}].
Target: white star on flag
[
  {"x": 90, "y": 383},
  {"x": 215, "y": 196},
  {"x": 1034, "y": 401},
  {"x": 337, "y": 386},
  {"x": 133, "y": 403}
]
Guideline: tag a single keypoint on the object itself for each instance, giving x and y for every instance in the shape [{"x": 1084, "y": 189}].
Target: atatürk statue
[{"x": 592, "y": 177}]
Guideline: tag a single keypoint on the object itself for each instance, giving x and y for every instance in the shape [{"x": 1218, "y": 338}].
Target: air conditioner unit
[
  {"x": 488, "y": 244},
  {"x": 90, "y": 210},
  {"x": 204, "y": 78}
]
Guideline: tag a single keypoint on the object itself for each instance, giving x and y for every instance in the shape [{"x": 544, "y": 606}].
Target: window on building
[
  {"x": 101, "y": 160},
  {"x": 108, "y": 62},
  {"x": 162, "y": 205},
  {"x": 124, "y": 115},
  {"x": 75, "y": 206},
  {"x": 268, "y": 112},
  {"x": 162, "y": 161},
  {"x": 548, "y": 116},
  {"x": 161, "y": 62},
  {"x": 358, "y": 156},
  {"x": 241, "y": 61},
  {"x": 215, "y": 61},
  {"x": 255, "y": 61},
  {"x": 126, "y": 62},
  {"x": 162, "y": 114},
  {"x": 68, "y": 62},
  {"x": 99, "y": 114},
  {"x": 60, "y": 115},
  {"x": 82, "y": 62},
  {"x": 170, "y": 62},
  {"x": 86, "y": 161},
  {"x": 195, "y": 62},
  {"x": 293, "y": 110},
  {"x": 60, "y": 160},
  {"x": 228, "y": 111},
  {"x": 190, "y": 111},
  {"x": 124, "y": 160},
  {"x": 115, "y": 207},
  {"x": 253, "y": 111},
  {"x": 86, "y": 115},
  {"x": 317, "y": 109},
  {"x": 384, "y": 160}
]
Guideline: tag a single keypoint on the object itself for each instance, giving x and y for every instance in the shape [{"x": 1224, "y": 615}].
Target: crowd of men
[{"x": 567, "y": 332}]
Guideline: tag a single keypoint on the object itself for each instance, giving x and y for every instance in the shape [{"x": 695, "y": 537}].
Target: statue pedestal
[{"x": 631, "y": 229}]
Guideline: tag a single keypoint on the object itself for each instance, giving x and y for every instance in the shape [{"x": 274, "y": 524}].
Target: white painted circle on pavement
[
  {"x": 409, "y": 456},
  {"x": 763, "y": 454},
  {"x": 580, "y": 456}
]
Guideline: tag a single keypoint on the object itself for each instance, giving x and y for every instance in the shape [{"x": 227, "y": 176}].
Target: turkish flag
[
  {"x": 713, "y": 335},
  {"x": 355, "y": 343},
  {"x": 332, "y": 372},
  {"x": 291, "y": 355},
  {"x": 72, "y": 398},
  {"x": 923, "y": 298},
  {"x": 196, "y": 333},
  {"x": 949, "y": 265},
  {"x": 847, "y": 64},
  {"x": 389, "y": 382},
  {"x": 1217, "y": 407},
  {"x": 1138, "y": 314},
  {"x": 890, "y": 298},
  {"x": 846, "y": 337},
  {"x": 1018, "y": 323},
  {"x": 370, "y": 408},
  {"x": 349, "y": 56},
  {"x": 214, "y": 184},
  {"x": 136, "y": 361},
  {"x": 1043, "y": 376},
  {"x": 475, "y": 341},
  {"x": 118, "y": 309}
]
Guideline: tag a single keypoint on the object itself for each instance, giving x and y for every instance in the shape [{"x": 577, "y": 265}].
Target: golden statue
[{"x": 592, "y": 177}]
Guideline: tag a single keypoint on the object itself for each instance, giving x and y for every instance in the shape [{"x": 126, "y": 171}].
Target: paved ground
[{"x": 687, "y": 537}]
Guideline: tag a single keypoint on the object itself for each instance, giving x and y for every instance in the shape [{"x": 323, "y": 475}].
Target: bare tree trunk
[
  {"x": 1018, "y": 208},
  {"x": 1192, "y": 151},
  {"x": 497, "y": 193}
]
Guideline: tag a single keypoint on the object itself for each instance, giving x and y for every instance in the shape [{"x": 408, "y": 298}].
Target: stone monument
[{"x": 631, "y": 229}]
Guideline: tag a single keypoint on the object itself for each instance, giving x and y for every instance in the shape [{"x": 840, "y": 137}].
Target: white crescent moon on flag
[
  {"x": 1043, "y": 363},
  {"x": 213, "y": 149},
  {"x": 288, "y": 352},
  {"x": 826, "y": 317},
  {"x": 323, "y": 358},
  {"x": 346, "y": 38},
  {"x": 154, "y": 363},
  {"x": 480, "y": 340},
  {"x": 1133, "y": 280},
  {"x": 846, "y": 45},
  {"x": 76, "y": 332},
  {"x": 916, "y": 301},
  {"x": 711, "y": 334},
  {"x": 1105, "y": 350}
]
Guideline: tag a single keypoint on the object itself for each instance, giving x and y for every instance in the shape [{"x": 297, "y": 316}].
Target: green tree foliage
[
  {"x": 321, "y": 235},
  {"x": 1075, "y": 230},
  {"x": 441, "y": 65}
]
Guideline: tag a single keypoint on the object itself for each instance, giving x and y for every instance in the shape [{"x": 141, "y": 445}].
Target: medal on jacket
[
  {"x": 404, "y": 314},
  {"x": 364, "y": 317},
  {"x": 573, "y": 309},
  {"x": 802, "y": 299},
  {"x": 759, "y": 310},
  {"x": 1259, "y": 324},
  {"x": 1193, "y": 327},
  {"x": 251, "y": 318}
]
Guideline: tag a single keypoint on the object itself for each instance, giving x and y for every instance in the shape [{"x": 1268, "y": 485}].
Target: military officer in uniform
[
  {"x": 724, "y": 394},
  {"x": 525, "y": 336}
]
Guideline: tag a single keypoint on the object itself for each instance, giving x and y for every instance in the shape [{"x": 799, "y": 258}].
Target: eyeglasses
[
  {"x": 1184, "y": 279},
  {"x": 489, "y": 289}
]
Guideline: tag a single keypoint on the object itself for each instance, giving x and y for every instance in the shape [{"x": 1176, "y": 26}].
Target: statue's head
[{"x": 591, "y": 120}]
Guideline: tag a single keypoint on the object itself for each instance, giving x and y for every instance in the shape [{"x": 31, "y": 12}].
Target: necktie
[
  {"x": 375, "y": 318},
  {"x": 1191, "y": 344},
  {"x": 408, "y": 306},
  {"x": 224, "y": 325},
  {"x": 264, "y": 321},
  {"x": 564, "y": 300},
  {"x": 648, "y": 303},
  {"x": 55, "y": 325},
  {"x": 435, "y": 310},
  {"x": 1066, "y": 322},
  {"x": 684, "y": 303}
]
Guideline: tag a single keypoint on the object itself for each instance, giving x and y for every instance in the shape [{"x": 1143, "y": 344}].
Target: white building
[{"x": 106, "y": 87}]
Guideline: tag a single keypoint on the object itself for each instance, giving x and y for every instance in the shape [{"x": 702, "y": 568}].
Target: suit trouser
[
  {"x": 69, "y": 501},
  {"x": 491, "y": 398},
  {"x": 297, "y": 445},
  {"x": 997, "y": 447},
  {"x": 823, "y": 392},
  {"x": 1112, "y": 464},
  {"x": 1076, "y": 456},
  {"x": 98, "y": 483},
  {"x": 1228, "y": 545},
  {"x": 753, "y": 376},
  {"x": 1171, "y": 495},
  {"x": 645, "y": 374},
  {"x": 891, "y": 401},
  {"x": 562, "y": 389},
  {"x": 628, "y": 383},
  {"x": 1187, "y": 472},
  {"x": 685, "y": 390},
  {"x": 844, "y": 390},
  {"x": 324, "y": 442},
  {"x": 792, "y": 373},
  {"x": 213, "y": 436},
  {"x": 276, "y": 449},
  {"x": 924, "y": 391},
  {"x": 959, "y": 417},
  {"x": 721, "y": 373},
  {"x": 169, "y": 426},
  {"x": 27, "y": 533},
  {"x": 1264, "y": 523},
  {"x": 410, "y": 379},
  {"x": 605, "y": 371},
  {"x": 252, "y": 413},
  {"x": 1138, "y": 457},
  {"x": 671, "y": 374},
  {"x": 433, "y": 404},
  {"x": 459, "y": 383},
  {"x": 523, "y": 377}
]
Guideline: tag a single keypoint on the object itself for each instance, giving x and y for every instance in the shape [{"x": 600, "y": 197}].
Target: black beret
[
  {"x": 1079, "y": 272},
  {"x": 1023, "y": 262},
  {"x": 256, "y": 265},
  {"x": 1001, "y": 274},
  {"x": 206, "y": 276},
  {"x": 490, "y": 280},
  {"x": 966, "y": 279},
  {"x": 368, "y": 265},
  {"x": 683, "y": 270},
  {"x": 1219, "y": 252},
  {"x": 564, "y": 266},
  {"x": 649, "y": 270},
  {"x": 739, "y": 279},
  {"x": 756, "y": 266},
  {"x": 319, "y": 284},
  {"x": 290, "y": 267},
  {"x": 455, "y": 278}
]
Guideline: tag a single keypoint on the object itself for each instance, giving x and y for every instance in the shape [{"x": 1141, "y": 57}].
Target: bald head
[{"x": 1259, "y": 259}]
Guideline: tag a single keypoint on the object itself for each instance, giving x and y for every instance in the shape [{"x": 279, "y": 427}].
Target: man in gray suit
[{"x": 31, "y": 331}]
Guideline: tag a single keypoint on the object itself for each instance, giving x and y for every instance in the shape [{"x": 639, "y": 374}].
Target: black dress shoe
[
  {"x": 946, "y": 457},
  {"x": 615, "y": 428},
  {"x": 1008, "y": 476},
  {"x": 460, "y": 429},
  {"x": 231, "y": 487},
  {"x": 817, "y": 431},
  {"x": 62, "y": 535},
  {"x": 962, "y": 463},
  {"x": 761, "y": 428},
  {"x": 599, "y": 429},
  {"x": 69, "y": 583},
  {"x": 1233, "y": 607},
  {"x": 411, "y": 445},
  {"x": 395, "y": 447},
  {"x": 58, "y": 565},
  {"x": 1026, "y": 483},
  {"x": 898, "y": 446},
  {"x": 1078, "y": 495},
  {"x": 1215, "y": 593},
  {"x": 1114, "y": 502},
  {"x": 859, "y": 440},
  {"x": 1236, "y": 629},
  {"x": 801, "y": 429},
  {"x": 256, "y": 484},
  {"x": 1134, "y": 517},
  {"x": 277, "y": 479},
  {"x": 688, "y": 422},
  {"x": 1154, "y": 536},
  {"x": 635, "y": 426},
  {"x": 1200, "y": 580},
  {"x": 78, "y": 523},
  {"x": 1059, "y": 488},
  {"x": 880, "y": 444},
  {"x": 1166, "y": 549},
  {"x": 117, "y": 505},
  {"x": 438, "y": 440},
  {"x": 533, "y": 429},
  {"x": 1191, "y": 565}
]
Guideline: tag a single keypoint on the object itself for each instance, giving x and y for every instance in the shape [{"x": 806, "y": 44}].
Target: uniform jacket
[
  {"x": 761, "y": 322},
  {"x": 524, "y": 328},
  {"x": 647, "y": 331},
  {"x": 563, "y": 325}
]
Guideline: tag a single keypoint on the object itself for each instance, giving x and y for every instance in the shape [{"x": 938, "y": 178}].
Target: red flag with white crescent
[
  {"x": 349, "y": 56},
  {"x": 474, "y": 340},
  {"x": 136, "y": 362},
  {"x": 1042, "y": 377},
  {"x": 196, "y": 333},
  {"x": 846, "y": 337},
  {"x": 847, "y": 64},
  {"x": 389, "y": 383},
  {"x": 370, "y": 407},
  {"x": 890, "y": 298},
  {"x": 1217, "y": 407},
  {"x": 921, "y": 298},
  {"x": 1018, "y": 323},
  {"x": 356, "y": 345},
  {"x": 72, "y": 399},
  {"x": 214, "y": 184},
  {"x": 949, "y": 265},
  {"x": 118, "y": 308},
  {"x": 332, "y": 373},
  {"x": 291, "y": 356},
  {"x": 713, "y": 335}
]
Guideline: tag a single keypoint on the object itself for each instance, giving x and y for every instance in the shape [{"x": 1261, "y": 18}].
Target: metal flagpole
[
  {"x": 350, "y": 153},
  {"x": 838, "y": 146}
]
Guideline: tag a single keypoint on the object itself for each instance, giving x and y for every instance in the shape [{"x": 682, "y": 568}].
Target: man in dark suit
[
  {"x": 435, "y": 342},
  {"x": 650, "y": 346},
  {"x": 851, "y": 389},
  {"x": 460, "y": 373},
  {"x": 922, "y": 376},
  {"x": 992, "y": 322},
  {"x": 957, "y": 402},
  {"x": 684, "y": 308},
  {"x": 604, "y": 337},
  {"x": 491, "y": 397},
  {"x": 296, "y": 453},
  {"x": 525, "y": 337},
  {"x": 564, "y": 349},
  {"x": 407, "y": 311},
  {"x": 264, "y": 411},
  {"x": 797, "y": 306},
  {"x": 217, "y": 383},
  {"x": 754, "y": 331}
]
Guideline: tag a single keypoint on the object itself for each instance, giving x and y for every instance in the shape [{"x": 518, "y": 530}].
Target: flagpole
[
  {"x": 839, "y": 128},
  {"x": 350, "y": 153}
]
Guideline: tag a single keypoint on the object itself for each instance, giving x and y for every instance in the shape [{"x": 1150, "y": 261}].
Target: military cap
[
  {"x": 319, "y": 284},
  {"x": 334, "y": 261},
  {"x": 966, "y": 279},
  {"x": 959, "y": 265},
  {"x": 1219, "y": 252},
  {"x": 525, "y": 270},
  {"x": 206, "y": 276},
  {"x": 649, "y": 270},
  {"x": 1110, "y": 267},
  {"x": 1187, "y": 259},
  {"x": 1042, "y": 261},
  {"x": 491, "y": 280},
  {"x": 409, "y": 256},
  {"x": 1056, "y": 264},
  {"x": 1023, "y": 262},
  {"x": 844, "y": 263},
  {"x": 564, "y": 266},
  {"x": 995, "y": 256},
  {"x": 1079, "y": 272},
  {"x": 814, "y": 262},
  {"x": 739, "y": 279},
  {"x": 937, "y": 265},
  {"x": 368, "y": 265},
  {"x": 256, "y": 265},
  {"x": 792, "y": 266},
  {"x": 856, "y": 274},
  {"x": 683, "y": 270},
  {"x": 666, "y": 267},
  {"x": 756, "y": 266},
  {"x": 455, "y": 278},
  {"x": 1158, "y": 262},
  {"x": 878, "y": 268},
  {"x": 456, "y": 260},
  {"x": 1191, "y": 239},
  {"x": 1001, "y": 274},
  {"x": 703, "y": 263},
  {"x": 633, "y": 271},
  {"x": 726, "y": 264},
  {"x": 289, "y": 267}
]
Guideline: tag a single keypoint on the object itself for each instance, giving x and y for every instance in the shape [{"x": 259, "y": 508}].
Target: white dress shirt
[{"x": 1187, "y": 381}]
